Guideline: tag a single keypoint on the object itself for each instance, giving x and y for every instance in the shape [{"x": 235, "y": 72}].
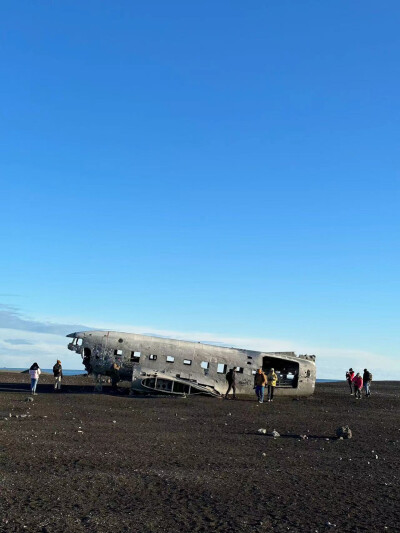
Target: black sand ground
[{"x": 84, "y": 462}]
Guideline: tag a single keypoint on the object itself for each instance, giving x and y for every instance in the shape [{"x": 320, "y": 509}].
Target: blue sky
[{"x": 211, "y": 170}]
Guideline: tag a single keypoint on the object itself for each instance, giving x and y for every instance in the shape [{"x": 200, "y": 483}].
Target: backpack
[{"x": 370, "y": 376}]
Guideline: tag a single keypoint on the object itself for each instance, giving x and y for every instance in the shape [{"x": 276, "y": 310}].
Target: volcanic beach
[{"x": 78, "y": 461}]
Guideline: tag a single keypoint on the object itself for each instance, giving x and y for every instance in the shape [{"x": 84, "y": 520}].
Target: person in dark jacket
[
  {"x": 115, "y": 377},
  {"x": 367, "y": 378},
  {"x": 231, "y": 379},
  {"x": 350, "y": 377},
  {"x": 58, "y": 375}
]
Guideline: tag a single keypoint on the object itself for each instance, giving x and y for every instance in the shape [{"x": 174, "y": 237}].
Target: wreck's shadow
[
  {"x": 48, "y": 388},
  {"x": 45, "y": 388}
]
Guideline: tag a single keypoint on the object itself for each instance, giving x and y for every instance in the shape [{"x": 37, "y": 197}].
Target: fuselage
[{"x": 178, "y": 367}]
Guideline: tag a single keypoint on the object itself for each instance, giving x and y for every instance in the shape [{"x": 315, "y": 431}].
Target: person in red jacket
[
  {"x": 358, "y": 385},
  {"x": 350, "y": 377}
]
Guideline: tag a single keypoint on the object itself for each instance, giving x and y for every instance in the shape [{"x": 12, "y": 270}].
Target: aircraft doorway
[
  {"x": 86, "y": 359},
  {"x": 287, "y": 371}
]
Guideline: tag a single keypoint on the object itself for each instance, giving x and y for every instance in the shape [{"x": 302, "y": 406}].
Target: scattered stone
[
  {"x": 304, "y": 437},
  {"x": 275, "y": 434},
  {"x": 29, "y": 399},
  {"x": 262, "y": 431},
  {"x": 345, "y": 432}
]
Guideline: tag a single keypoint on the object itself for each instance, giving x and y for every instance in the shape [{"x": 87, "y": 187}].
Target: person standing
[
  {"x": 260, "y": 381},
  {"x": 34, "y": 372},
  {"x": 350, "y": 377},
  {"x": 115, "y": 377},
  {"x": 58, "y": 375},
  {"x": 367, "y": 378},
  {"x": 231, "y": 379},
  {"x": 272, "y": 379},
  {"x": 358, "y": 384}
]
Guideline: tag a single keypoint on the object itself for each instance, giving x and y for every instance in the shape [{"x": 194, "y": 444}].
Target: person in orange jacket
[{"x": 260, "y": 381}]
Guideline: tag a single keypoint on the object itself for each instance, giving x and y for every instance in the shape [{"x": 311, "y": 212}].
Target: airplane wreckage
[{"x": 168, "y": 366}]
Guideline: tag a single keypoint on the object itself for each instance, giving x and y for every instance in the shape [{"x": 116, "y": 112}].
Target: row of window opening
[{"x": 222, "y": 368}]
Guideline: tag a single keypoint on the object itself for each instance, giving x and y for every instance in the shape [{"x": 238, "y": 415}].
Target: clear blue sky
[{"x": 222, "y": 167}]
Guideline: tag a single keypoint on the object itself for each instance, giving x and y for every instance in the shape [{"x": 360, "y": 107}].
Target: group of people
[
  {"x": 358, "y": 382},
  {"x": 35, "y": 372},
  {"x": 261, "y": 380}
]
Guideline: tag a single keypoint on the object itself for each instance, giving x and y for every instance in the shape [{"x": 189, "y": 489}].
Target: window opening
[
  {"x": 181, "y": 388},
  {"x": 239, "y": 370},
  {"x": 221, "y": 368},
  {"x": 187, "y": 362},
  {"x": 117, "y": 352},
  {"x": 205, "y": 365},
  {"x": 135, "y": 357},
  {"x": 164, "y": 384},
  {"x": 170, "y": 359},
  {"x": 152, "y": 357}
]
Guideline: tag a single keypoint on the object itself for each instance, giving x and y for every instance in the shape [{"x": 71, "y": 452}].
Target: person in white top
[{"x": 34, "y": 372}]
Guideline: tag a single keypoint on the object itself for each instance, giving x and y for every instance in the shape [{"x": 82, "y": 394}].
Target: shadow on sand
[
  {"x": 299, "y": 437},
  {"x": 48, "y": 388}
]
